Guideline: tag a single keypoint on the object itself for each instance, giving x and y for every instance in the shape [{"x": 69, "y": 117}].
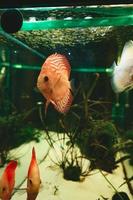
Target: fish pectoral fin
[
  {"x": 46, "y": 106},
  {"x": 53, "y": 102}
]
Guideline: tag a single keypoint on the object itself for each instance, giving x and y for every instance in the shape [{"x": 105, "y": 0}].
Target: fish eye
[
  {"x": 30, "y": 181},
  {"x": 45, "y": 78},
  {"x": 3, "y": 189}
]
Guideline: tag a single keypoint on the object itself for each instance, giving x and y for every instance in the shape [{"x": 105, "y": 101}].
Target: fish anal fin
[{"x": 64, "y": 104}]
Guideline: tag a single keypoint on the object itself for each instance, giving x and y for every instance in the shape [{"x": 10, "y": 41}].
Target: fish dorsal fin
[
  {"x": 33, "y": 154},
  {"x": 113, "y": 69},
  {"x": 58, "y": 62},
  {"x": 33, "y": 160},
  {"x": 10, "y": 169},
  {"x": 127, "y": 52},
  {"x": 113, "y": 66}
]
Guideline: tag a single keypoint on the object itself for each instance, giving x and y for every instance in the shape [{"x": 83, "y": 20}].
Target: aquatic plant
[
  {"x": 72, "y": 163},
  {"x": 67, "y": 155},
  {"x": 125, "y": 149},
  {"x": 128, "y": 148},
  {"x": 94, "y": 138},
  {"x": 14, "y": 132},
  {"x": 92, "y": 129},
  {"x": 97, "y": 142},
  {"x": 87, "y": 127}
]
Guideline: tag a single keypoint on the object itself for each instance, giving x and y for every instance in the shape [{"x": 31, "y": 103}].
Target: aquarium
[{"x": 66, "y": 125}]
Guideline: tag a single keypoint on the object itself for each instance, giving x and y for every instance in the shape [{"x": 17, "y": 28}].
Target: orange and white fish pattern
[
  {"x": 7, "y": 181},
  {"x": 53, "y": 82},
  {"x": 33, "y": 178}
]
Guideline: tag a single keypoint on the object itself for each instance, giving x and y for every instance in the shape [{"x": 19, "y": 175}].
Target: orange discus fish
[
  {"x": 7, "y": 181},
  {"x": 53, "y": 82},
  {"x": 33, "y": 179}
]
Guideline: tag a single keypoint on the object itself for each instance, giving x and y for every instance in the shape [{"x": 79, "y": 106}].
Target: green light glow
[
  {"x": 111, "y": 10},
  {"x": 115, "y": 16},
  {"x": 77, "y": 23},
  {"x": 80, "y": 69}
]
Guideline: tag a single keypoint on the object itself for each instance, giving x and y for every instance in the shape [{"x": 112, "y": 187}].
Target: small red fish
[
  {"x": 33, "y": 178},
  {"x": 53, "y": 82},
  {"x": 7, "y": 181}
]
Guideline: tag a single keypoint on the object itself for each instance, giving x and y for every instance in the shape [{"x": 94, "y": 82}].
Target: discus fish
[
  {"x": 7, "y": 181},
  {"x": 122, "y": 78},
  {"x": 33, "y": 178},
  {"x": 53, "y": 82}
]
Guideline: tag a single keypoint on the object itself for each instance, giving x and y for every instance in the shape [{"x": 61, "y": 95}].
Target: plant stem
[
  {"x": 111, "y": 185},
  {"x": 126, "y": 178}
]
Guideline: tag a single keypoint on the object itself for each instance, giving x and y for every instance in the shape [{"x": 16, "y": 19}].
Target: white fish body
[{"x": 123, "y": 73}]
